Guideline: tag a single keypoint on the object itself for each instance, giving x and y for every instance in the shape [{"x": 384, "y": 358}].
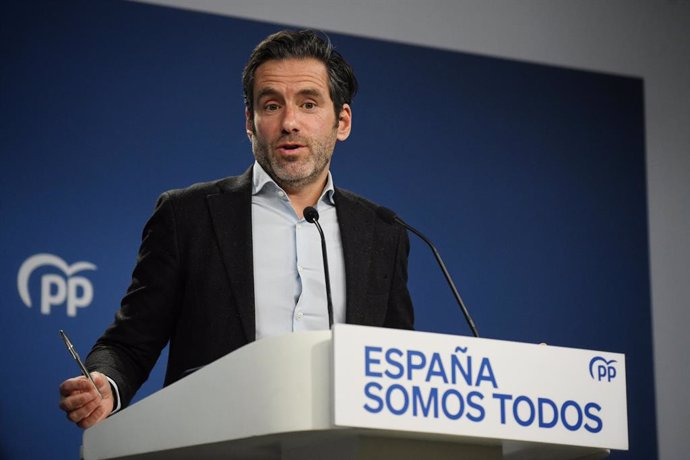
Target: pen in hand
[{"x": 75, "y": 355}]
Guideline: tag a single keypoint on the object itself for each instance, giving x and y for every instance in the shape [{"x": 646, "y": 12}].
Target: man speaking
[{"x": 228, "y": 262}]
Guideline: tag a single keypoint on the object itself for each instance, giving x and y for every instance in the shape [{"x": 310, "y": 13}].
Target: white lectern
[{"x": 368, "y": 393}]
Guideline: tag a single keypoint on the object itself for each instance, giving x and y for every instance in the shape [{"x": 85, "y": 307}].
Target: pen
[{"x": 75, "y": 355}]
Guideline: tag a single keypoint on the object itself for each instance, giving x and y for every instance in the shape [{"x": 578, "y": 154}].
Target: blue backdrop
[{"x": 530, "y": 179}]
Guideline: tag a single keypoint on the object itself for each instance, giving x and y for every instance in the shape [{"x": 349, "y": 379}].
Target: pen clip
[{"x": 68, "y": 344}]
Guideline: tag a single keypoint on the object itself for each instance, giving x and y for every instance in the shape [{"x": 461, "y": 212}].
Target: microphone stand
[
  {"x": 312, "y": 216},
  {"x": 389, "y": 216}
]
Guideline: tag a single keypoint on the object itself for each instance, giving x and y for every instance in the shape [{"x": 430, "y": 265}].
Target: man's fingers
[
  {"x": 83, "y": 412},
  {"x": 77, "y": 400},
  {"x": 96, "y": 416},
  {"x": 99, "y": 378},
  {"x": 82, "y": 403},
  {"x": 102, "y": 383},
  {"x": 73, "y": 385}
]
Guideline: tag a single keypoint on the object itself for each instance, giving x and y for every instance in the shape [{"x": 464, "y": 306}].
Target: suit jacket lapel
[
  {"x": 232, "y": 221},
  {"x": 357, "y": 233}
]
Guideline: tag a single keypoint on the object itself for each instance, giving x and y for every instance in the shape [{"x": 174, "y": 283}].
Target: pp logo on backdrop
[
  {"x": 601, "y": 369},
  {"x": 59, "y": 288}
]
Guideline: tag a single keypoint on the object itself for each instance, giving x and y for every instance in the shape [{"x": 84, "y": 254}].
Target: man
[{"x": 231, "y": 261}]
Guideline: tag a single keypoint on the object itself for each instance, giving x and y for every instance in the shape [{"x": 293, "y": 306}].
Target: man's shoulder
[
  {"x": 202, "y": 190},
  {"x": 353, "y": 198},
  {"x": 354, "y": 206}
]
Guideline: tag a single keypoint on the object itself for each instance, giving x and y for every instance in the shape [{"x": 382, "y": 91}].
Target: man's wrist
[{"x": 116, "y": 395}]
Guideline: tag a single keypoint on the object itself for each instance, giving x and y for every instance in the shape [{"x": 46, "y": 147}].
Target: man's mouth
[{"x": 289, "y": 147}]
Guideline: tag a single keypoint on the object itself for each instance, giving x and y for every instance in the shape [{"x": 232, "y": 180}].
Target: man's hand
[{"x": 81, "y": 402}]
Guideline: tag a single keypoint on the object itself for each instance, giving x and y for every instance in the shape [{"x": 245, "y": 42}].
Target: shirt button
[{"x": 299, "y": 315}]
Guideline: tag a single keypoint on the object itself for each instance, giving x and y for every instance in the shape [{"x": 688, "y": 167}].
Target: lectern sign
[{"x": 435, "y": 383}]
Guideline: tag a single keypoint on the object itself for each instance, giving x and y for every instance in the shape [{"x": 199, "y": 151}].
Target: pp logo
[
  {"x": 57, "y": 289},
  {"x": 600, "y": 369}
]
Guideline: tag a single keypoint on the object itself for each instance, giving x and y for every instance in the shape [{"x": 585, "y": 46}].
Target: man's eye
[
  {"x": 271, "y": 107},
  {"x": 309, "y": 105}
]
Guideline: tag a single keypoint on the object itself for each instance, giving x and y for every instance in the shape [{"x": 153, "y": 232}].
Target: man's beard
[{"x": 292, "y": 174}]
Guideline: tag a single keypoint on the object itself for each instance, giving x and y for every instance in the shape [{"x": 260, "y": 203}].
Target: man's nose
[{"x": 290, "y": 119}]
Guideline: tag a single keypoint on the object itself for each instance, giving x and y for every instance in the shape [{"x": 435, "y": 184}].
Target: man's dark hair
[{"x": 286, "y": 44}]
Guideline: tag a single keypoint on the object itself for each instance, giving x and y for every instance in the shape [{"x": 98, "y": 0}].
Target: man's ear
[
  {"x": 344, "y": 122},
  {"x": 249, "y": 123}
]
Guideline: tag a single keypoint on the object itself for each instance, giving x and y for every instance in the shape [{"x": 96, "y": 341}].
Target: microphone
[
  {"x": 312, "y": 216},
  {"x": 390, "y": 217}
]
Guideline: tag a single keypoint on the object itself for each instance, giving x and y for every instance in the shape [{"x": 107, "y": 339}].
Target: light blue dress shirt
[{"x": 289, "y": 286}]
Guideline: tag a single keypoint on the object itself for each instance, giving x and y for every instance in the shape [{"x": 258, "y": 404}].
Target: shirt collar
[{"x": 262, "y": 183}]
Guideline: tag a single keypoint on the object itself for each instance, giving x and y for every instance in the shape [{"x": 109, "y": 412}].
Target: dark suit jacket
[{"x": 193, "y": 281}]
